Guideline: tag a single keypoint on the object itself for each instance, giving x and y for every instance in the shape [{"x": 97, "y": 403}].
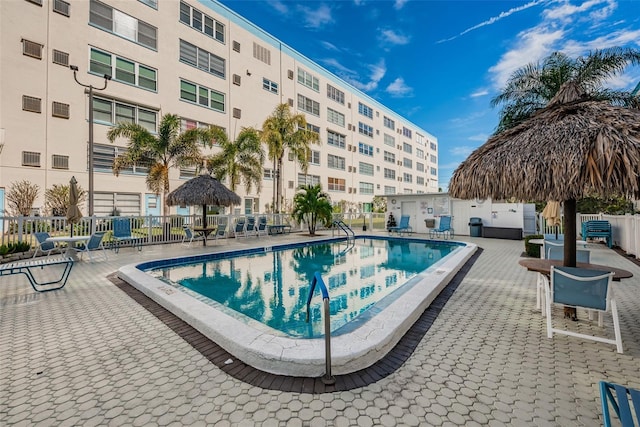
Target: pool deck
[{"x": 90, "y": 355}]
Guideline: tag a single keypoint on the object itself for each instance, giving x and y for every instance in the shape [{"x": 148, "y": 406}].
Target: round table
[
  {"x": 70, "y": 251},
  {"x": 544, "y": 266}
]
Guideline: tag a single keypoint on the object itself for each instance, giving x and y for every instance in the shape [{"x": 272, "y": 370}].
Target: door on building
[
  {"x": 410, "y": 208},
  {"x": 152, "y": 207}
]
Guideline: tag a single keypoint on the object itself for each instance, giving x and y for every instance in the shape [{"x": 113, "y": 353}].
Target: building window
[
  {"x": 187, "y": 172},
  {"x": 406, "y": 132},
  {"x": 365, "y": 110},
  {"x": 433, "y": 158},
  {"x": 62, "y": 7},
  {"x": 335, "y": 94},
  {"x": 420, "y": 180},
  {"x": 365, "y": 168},
  {"x": 419, "y": 153},
  {"x": 389, "y": 173},
  {"x": 30, "y": 158},
  {"x": 201, "y": 22},
  {"x": 128, "y": 27},
  {"x": 60, "y": 58},
  {"x": 60, "y": 109},
  {"x": 186, "y": 124},
  {"x": 434, "y": 171},
  {"x": 308, "y": 79},
  {"x": 389, "y": 189},
  {"x": 407, "y": 148},
  {"x": 127, "y": 204},
  {"x": 32, "y": 104},
  {"x": 433, "y": 146},
  {"x": 196, "y": 57},
  {"x": 313, "y": 128},
  {"x": 420, "y": 167},
  {"x": 365, "y": 129},
  {"x": 36, "y": 2},
  {"x": 269, "y": 85},
  {"x": 314, "y": 157},
  {"x": 407, "y": 163},
  {"x": 104, "y": 155},
  {"x": 389, "y": 140},
  {"x": 335, "y": 139},
  {"x": 122, "y": 70},
  {"x": 335, "y": 162},
  {"x": 389, "y": 157},
  {"x": 365, "y": 149},
  {"x": 407, "y": 177},
  {"x": 261, "y": 53},
  {"x": 308, "y": 105},
  {"x": 388, "y": 123},
  {"x": 420, "y": 139},
  {"x": 32, "y": 49},
  {"x": 201, "y": 95},
  {"x": 335, "y": 117},
  {"x": 304, "y": 179},
  {"x": 109, "y": 112},
  {"x": 336, "y": 184},
  {"x": 59, "y": 162},
  {"x": 268, "y": 174},
  {"x": 150, "y": 3},
  {"x": 366, "y": 188}
]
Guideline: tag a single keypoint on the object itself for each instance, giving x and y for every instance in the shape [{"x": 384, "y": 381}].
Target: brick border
[{"x": 243, "y": 372}]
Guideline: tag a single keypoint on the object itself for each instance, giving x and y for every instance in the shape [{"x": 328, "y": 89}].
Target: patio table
[
  {"x": 70, "y": 241},
  {"x": 204, "y": 232},
  {"x": 544, "y": 266}
]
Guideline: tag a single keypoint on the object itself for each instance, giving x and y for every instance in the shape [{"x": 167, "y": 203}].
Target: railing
[
  {"x": 344, "y": 227},
  {"x": 327, "y": 378}
]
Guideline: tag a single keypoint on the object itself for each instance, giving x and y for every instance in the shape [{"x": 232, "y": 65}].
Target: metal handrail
[
  {"x": 327, "y": 378},
  {"x": 344, "y": 227}
]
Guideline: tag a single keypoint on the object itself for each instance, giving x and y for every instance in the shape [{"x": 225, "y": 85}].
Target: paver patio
[{"x": 90, "y": 355}]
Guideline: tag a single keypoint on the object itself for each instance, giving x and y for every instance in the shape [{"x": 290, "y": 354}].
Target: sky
[{"x": 439, "y": 63}]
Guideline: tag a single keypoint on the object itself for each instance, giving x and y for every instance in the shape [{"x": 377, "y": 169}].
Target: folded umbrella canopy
[
  {"x": 552, "y": 214},
  {"x": 73, "y": 211}
]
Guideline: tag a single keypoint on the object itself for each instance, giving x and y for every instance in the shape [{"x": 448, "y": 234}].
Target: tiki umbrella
[
  {"x": 551, "y": 214},
  {"x": 73, "y": 212},
  {"x": 573, "y": 148},
  {"x": 203, "y": 190}
]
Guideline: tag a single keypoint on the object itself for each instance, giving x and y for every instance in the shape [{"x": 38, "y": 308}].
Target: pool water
[{"x": 271, "y": 286}]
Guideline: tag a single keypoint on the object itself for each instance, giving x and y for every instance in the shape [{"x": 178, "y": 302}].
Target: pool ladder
[
  {"x": 344, "y": 227},
  {"x": 327, "y": 378}
]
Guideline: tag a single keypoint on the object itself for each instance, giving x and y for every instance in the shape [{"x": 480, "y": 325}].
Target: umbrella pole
[{"x": 570, "y": 234}]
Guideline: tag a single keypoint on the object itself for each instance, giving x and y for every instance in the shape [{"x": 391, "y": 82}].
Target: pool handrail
[
  {"x": 327, "y": 378},
  {"x": 344, "y": 227}
]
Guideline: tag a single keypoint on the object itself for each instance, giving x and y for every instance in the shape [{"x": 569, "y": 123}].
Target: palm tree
[
  {"x": 311, "y": 205},
  {"x": 241, "y": 159},
  {"x": 169, "y": 148},
  {"x": 284, "y": 131},
  {"x": 531, "y": 87}
]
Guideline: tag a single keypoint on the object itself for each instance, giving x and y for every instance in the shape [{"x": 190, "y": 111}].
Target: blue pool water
[{"x": 271, "y": 286}]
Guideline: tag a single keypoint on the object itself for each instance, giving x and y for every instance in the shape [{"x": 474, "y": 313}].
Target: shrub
[{"x": 531, "y": 249}]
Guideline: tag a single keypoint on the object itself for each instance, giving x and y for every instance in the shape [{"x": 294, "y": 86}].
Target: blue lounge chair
[
  {"x": 221, "y": 231},
  {"x": 241, "y": 228},
  {"x": 189, "y": 236},
  {"x": 251, "y": 227},
  {"x": 620, "y": 403},
  {"x": 122, "y": 234},
  {"x": 555, "y": 251},
  {"x": 444, "y": 228},
  {"x": 43, "y": 245},
  {"x": 403, "y": 226},
  {"x": 582, "y": 288},
  {"x": 94, "y": 244},
  {"x": 262, "y": 226}
]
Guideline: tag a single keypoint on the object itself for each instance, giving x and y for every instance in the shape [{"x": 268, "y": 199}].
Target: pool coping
[{"x": 279, "y": 355}]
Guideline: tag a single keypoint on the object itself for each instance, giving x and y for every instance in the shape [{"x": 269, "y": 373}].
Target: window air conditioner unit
[{"x": 290, "y": 74}]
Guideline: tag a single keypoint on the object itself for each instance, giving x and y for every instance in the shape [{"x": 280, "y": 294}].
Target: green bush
[{"x": 531, "y": 249}]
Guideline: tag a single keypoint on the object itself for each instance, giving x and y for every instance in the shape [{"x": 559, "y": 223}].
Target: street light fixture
[{"x": 91, "y": 88}]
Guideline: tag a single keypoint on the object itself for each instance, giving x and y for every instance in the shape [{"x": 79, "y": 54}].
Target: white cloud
[
  {"x": 482, "y": 137},
  {"x": 391, "y": 37},
  {"x": 566, "y": 9},
  {"x": 399, "y": 4},
  {"x": 480, "y": 92},
  {"x": 315, "y": 18},
  {"x": 463, "y": 150},
  {"x": 398, "y": 88},
  {"x": 329, "y": 46},
  {"x": 376, "y": 73},
  {"x": 495, "y": 19},
  {"x": 279, "y": 6}
]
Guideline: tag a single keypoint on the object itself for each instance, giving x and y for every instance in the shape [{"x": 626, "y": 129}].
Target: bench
[
  {"x": 502, "y": 233},
  {"x": 278, "y": 228},
  {"x": 27, "y": 267},
  {"x": 597, "y": 229}
]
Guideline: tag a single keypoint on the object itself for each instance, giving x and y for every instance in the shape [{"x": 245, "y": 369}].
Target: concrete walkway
[{"x": 90, "y": 355}]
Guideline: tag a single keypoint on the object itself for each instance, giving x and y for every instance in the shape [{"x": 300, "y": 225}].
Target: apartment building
[{"x": 203, "y": 62}]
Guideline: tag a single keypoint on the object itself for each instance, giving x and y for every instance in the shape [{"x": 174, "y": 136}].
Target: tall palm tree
[
  {"x": 241, "y": 159},
  {"x": 169, "y": 148},
  {"x": 312, "y": 205},
  {"x": 284, "y": 131},
  {"x": 531, "y": 87}
]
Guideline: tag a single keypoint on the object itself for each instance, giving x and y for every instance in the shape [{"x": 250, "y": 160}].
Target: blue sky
[{"x": 439, "y": 63}]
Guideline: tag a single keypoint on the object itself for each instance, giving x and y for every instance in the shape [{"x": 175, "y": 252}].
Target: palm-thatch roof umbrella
[
  {"x": 573, "y": 148},
  {"x": 203, "y": 190}
]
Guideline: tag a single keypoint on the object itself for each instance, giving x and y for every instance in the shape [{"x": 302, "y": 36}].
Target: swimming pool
[{"x": 363, "y": 332}]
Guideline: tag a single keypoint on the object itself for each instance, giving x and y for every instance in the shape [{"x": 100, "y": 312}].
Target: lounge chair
[
  {"x": 403, "y": 226},
  {"x": 620, "y": 403},
  {"x": 262, "y": 226},
  {"x": 43, "y": 245},
  {"x": 221, "y": 231},
  {"x": 241, "y": 228},
  {"x": 94, "y": 244},
  {"x": 251, "y": 227},
  {"x": 189, "y": 236},
  {"x": 444, "y": 228},
  {"x": 582, "y": 288},
  {"x": 122, "y": 234},
  {"x": 26, "y": 268}
]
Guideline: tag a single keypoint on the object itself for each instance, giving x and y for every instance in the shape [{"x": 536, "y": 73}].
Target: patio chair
[
  {"x": 43, "y": 245},
  {"x": 94, "y": 244},
  {"x": 189, "y": 236},
  {"x": 262, "y": 226},
  {"x": 251, "y": 227},
  {"x": 582, "y": 288},
  {"x": 443, "y": 229},
  {"x": 620, "y": 403},
  {"x": 403, "y": 226},
  {"x": 556, "y": 251},
  {"x": 221, "y": 231},
  {"x": 122, "y": 234},
  {"x": 241, "y": 228}
]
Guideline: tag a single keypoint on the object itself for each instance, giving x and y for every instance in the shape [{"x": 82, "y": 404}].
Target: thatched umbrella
[
  {"x": 572, "y": 148},
  {"x": 203, "y": 190}
]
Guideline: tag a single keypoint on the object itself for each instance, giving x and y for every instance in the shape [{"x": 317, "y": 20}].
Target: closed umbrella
[
  {"x": 73, "y": 211},
  {"x": 552, "y": 215}
]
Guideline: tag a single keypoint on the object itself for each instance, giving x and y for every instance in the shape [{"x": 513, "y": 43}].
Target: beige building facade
[{"x": 203, "y": 62}]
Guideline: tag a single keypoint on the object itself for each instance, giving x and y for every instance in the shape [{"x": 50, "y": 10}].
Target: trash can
[{"x": 475, "y": 227}]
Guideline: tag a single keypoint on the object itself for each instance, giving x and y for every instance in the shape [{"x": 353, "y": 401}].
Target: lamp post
[{"x": 91, "y": 89}]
